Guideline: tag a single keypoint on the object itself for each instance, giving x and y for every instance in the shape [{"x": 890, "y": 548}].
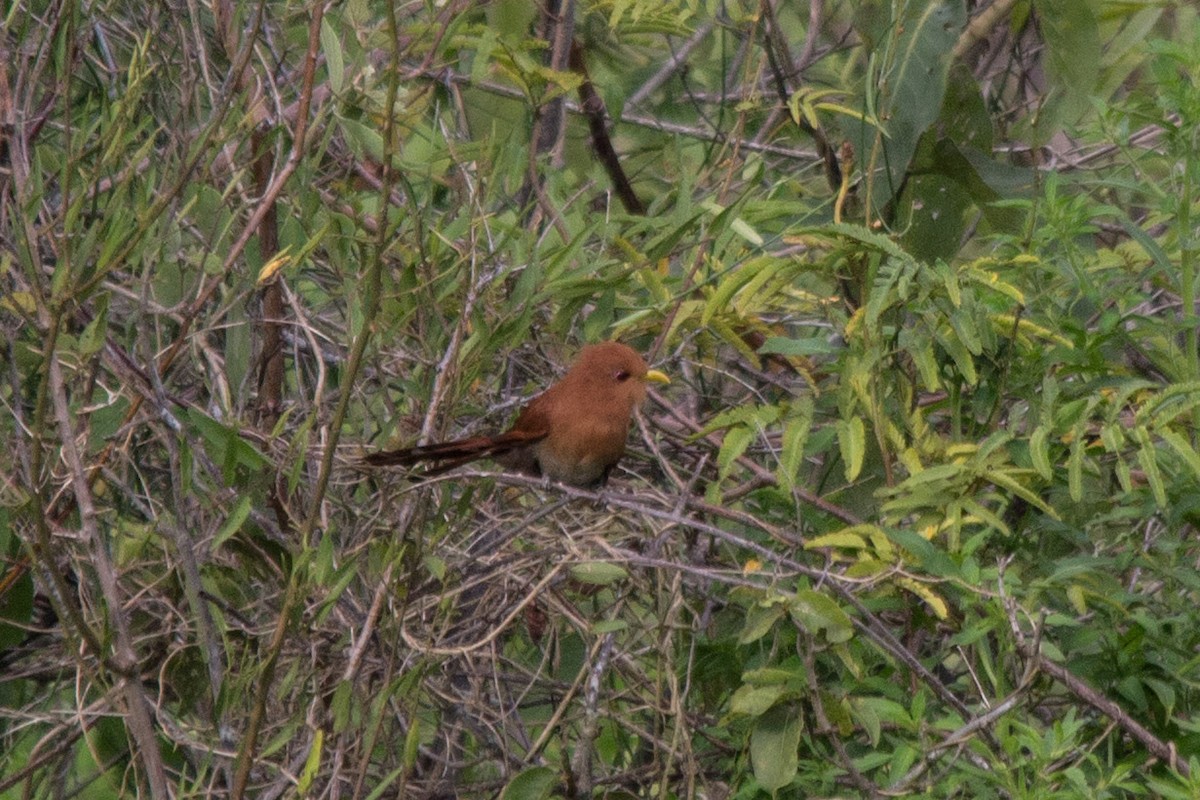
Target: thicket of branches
[{"x": 917, "y": 515}]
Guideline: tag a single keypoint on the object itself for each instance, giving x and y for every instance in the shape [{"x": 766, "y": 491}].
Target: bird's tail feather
[{"x": 454, "y": 453}]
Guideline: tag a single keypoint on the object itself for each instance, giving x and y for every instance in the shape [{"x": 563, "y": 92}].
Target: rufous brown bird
[{"x": 573, "y": 432}]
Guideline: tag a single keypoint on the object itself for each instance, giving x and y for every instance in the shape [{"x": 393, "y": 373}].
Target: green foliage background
[{"x": 917, "y": 516}]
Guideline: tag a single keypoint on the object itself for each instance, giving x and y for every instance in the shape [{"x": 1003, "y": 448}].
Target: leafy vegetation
[{"x": 917, "y": 516}]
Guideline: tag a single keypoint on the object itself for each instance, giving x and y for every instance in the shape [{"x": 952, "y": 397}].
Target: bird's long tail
[{"x": 449, "y": 455}]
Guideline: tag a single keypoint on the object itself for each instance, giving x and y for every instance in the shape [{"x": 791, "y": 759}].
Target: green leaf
[
  {"x": 1005, "y": 480},
  {"x": 734, "y": 281},
  {"x": 1039, "y": 452},
  {"x": 759, "y": 620},
  {"x": 1184, "y": 448},
  {"x": 732, "y": 446},
  {"x": 331, "y": 46},
  {"x": 818, "y": 613},
  {"x": 234, "y": 522},
  {"x": 1072, "y": 36},
  {"x": 226, "y": 445},
  {"x": 754, "y": 701},
  {"x": 852, "y": 442},
  {"x": 312, "y": 764},
  {"x": 93, "y": 336},
  {"x": 1149, "y": 462},
  {"x": 412, "y": 743},
  {"x": 535, "y": 783},
  {"x": 795, "y": 435},
  {"x": 609, "y": 626},
  {"x": 774, "y": 747},
  {"x": 959, "y": 354},
  {"x": 930, "y": 557},
  {"x": 1075, "y": 464},
  {"x": 808, "y": 346},
  {"x": 736, "y": 223},
  {"x": 598, "y": 573},
  {"x": 861, "y": 234},
  {"x": 911, "y": 84}
]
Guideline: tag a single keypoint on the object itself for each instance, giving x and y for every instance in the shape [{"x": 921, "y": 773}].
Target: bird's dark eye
[{"x": 621, "y": 376}]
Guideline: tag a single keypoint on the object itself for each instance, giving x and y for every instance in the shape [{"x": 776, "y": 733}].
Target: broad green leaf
[
  {"x": 774, "y": 747},
  {"x": 817, "y": 613},
  {"x": 535, "y": 783},
  {"x": 1072, "y": 36},
  {"x": 760, "y": 619},
  {"x": 598, "y": 573},
  {"x": 331, "y": 46},
  {"x": 911, "y": 84},
  {"x": 93, "y": 336},
  {"x": 754, "y": 701}
]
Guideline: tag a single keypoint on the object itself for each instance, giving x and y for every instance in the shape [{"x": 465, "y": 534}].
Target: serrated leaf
[
  {"x": 733, "y": 446},
  {"x": 860, "y": 234},
  {"x": 1184, "y": 449},
  {"x": 1039, "y": 452},
  {"x": 852, "y": 443},
  {"x": 1075, "y": 465},
  {"x": 738, "y": 415},
  {"x": 1148, "y": 460},
  {"x": 737, "y": 278},
  {"x": 795, "y": 435},
  {"x": 959, "y": 354}
]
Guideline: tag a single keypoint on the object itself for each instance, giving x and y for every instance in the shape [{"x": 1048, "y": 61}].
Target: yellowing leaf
[
  {"x": 845, "y": 539},
  {"x": 272, "y": 267},
  {"x": 931, "y": 598}
]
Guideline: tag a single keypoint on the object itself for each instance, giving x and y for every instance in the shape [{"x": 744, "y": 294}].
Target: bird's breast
[{"x": 583, "y": 450}]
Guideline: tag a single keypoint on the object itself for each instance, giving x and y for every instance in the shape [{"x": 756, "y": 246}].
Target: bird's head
[{"x": 616, "y": 371}]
